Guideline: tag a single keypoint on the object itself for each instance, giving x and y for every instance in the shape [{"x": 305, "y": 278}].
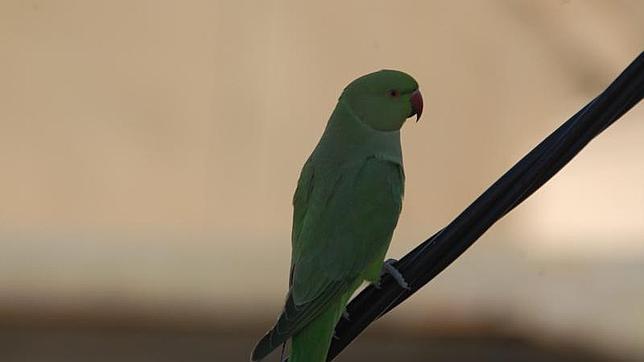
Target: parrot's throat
[
  {"x": 346, "y": 135},
  {"x": 350, "y": 113}
]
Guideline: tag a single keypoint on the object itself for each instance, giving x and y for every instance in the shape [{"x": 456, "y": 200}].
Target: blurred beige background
[{"x": 150, "y": 150}]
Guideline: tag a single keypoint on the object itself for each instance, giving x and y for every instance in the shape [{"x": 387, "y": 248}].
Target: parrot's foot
[{"x": 389, "y": 268}]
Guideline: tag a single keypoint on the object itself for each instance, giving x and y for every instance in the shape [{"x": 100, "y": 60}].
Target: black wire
[{"x": 431, "y": 257}]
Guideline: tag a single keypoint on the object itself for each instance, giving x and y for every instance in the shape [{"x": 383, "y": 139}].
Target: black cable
[{"x": 431, "y": 257}]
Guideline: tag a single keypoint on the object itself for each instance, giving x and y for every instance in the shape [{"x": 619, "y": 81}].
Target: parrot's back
[{"x": 344, "y": 217}]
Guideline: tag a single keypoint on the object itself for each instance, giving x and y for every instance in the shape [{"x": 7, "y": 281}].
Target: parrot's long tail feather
[
  {"x": 293, "y": 319},
  {"x": 283, "y": 329},
  {"x": 312, "y": 343}
]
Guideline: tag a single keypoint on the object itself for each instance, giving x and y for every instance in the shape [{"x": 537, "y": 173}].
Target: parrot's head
[{"x": 384, "y": 100}]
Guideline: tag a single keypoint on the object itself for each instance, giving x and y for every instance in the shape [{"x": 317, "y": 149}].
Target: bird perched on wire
[{"x": 346, "y": 206}]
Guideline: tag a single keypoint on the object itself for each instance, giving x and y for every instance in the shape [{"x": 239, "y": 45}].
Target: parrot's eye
[{"x": 393, "y": 93}]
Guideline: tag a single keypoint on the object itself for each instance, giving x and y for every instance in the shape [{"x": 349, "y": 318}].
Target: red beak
[{"x": 416, "y": 104}]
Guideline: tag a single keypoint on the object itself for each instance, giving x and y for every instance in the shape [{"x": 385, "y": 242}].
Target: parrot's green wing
[
  {"x": 349, "y": 219},
  {"x": 343, "y": 222}
]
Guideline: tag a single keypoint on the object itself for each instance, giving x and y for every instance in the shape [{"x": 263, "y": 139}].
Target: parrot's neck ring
[{"x": 353, "y": 115}]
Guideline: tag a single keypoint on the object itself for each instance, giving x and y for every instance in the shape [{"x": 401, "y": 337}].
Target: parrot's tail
[{"x": 312, "y": 343}]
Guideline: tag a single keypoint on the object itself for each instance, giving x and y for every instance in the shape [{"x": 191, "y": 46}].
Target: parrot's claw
[
  {"x": 389, "y": 268},
  {"x": 345, "y": 315}
]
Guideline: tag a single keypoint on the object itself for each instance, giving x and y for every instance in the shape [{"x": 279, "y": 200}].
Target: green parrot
[{"x": 346, "y": 206}]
